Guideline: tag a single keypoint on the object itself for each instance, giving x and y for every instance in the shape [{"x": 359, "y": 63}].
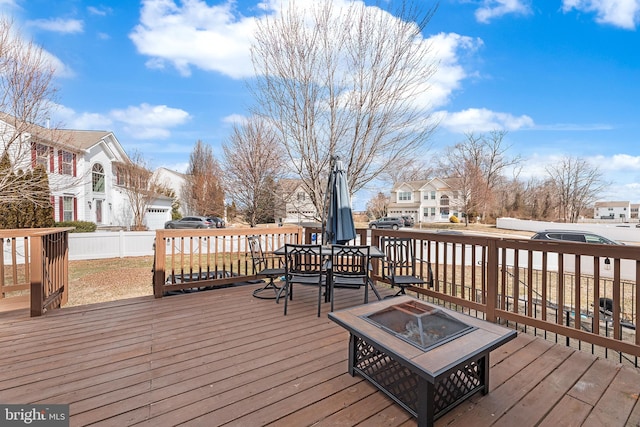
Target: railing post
[
  {"x": 159, "y": 260},
  {"x": 492, "y": 279},
  {"x": 37, "y": 291}
]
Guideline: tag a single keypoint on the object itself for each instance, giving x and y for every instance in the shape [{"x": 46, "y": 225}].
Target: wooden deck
[{"x": 222, "y": 357}]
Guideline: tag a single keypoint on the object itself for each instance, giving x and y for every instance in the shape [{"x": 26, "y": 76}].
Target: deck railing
[
  {"x": 35, "y": 262},
  {"x": 583, "y": 294},
  {"x": 195, "y": 259}
]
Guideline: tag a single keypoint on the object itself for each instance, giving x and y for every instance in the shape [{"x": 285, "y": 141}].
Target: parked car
[
  {"x": 392, "y": 222},
  {"x": 573, "y": 236},
  {"x": 191, "y": 222},
  {"x": 408, "y": 220},
  {"x": 218, "y": 222}
]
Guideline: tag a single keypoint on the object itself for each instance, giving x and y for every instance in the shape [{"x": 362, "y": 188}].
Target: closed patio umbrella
[{"x": 339, "y": 226}]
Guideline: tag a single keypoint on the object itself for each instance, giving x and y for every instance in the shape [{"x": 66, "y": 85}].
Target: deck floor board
[{"x": 224, "y": 358}]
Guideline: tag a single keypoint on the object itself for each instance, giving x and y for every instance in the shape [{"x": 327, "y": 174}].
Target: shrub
[
  {"x": 454, "y": 219},
  {"x": 80, "y": 226}
]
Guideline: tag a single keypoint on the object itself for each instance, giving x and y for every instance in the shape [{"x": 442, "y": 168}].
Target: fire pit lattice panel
[{"x": 403, "y": 384}]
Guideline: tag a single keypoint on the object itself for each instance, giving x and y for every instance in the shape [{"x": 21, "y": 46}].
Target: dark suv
[
  {"x": 392, "y": 222},
  {"x": 573, "y": 236}
]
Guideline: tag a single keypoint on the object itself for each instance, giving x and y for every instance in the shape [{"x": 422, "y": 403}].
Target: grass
[{"x": 92, "y": 281}]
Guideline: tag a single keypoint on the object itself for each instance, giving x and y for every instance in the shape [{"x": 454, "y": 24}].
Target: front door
[{"x": 98, "y": 211}]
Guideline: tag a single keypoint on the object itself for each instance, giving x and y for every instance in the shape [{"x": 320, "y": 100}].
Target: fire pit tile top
[{"x": 422, "y": 325}]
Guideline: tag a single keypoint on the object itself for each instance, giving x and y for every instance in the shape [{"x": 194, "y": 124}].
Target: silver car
[
  {"x": 191, "y": 222},
  {"x": 573, "y": 236}
]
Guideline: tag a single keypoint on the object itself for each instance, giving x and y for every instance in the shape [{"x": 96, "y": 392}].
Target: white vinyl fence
[
  {"x": 108, "y": 244},
  {"x": 98, "y": 245}
]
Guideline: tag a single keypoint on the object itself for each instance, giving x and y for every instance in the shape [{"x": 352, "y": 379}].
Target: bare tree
[
  {"x": 139, "y": 187},
  {"x": 467, "y": 179},
  {"x": 377, "y": 206},
  {"x": 253, "y": 164},
  {"x": 576, "y": 185},
  {"x": 344, "y": 81},
  {"x": 412, "y": 170},
  {"x": 26, "y": 98},
  {"x": 203, "y": 189},
  {"x": 481, "y": 162}
]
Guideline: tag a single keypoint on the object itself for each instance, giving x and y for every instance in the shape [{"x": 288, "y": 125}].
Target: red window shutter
[
  {"x": 53, "y": 205},
  {"x": 74, "y": 173},
  {"x": 51, "y": 168},
  {"x": 61, "y": 208},
  {"x": 59, "y": 161},
  {"x": 75, "y": 201},
  {"x": 34, "y": 154}
]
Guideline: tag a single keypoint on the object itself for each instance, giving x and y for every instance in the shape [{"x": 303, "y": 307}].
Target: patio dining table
[{"x": 325, "y": 251}]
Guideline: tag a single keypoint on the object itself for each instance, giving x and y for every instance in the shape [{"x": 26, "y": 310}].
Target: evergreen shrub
[{"x": 80, "y": 226}]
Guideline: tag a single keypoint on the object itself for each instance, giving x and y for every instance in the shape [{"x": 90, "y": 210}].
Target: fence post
[{"x": 492, "y": 279}]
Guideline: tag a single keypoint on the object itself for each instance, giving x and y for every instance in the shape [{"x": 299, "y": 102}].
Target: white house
[
  {"x": 612, "y": 210},
  {"x": 175, "y": 181},
  {"x": 84, "y": 168},
  {"x": 434, "y": 200},
  {"x": 295, "y": 203}
]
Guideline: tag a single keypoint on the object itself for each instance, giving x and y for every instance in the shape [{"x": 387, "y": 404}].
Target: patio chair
[
  {"x": 268, "y": 267},
  {"x": 349, "y": 269},
  {"x": 304, "y": 264},
  {"x": 399, "y": 264}
]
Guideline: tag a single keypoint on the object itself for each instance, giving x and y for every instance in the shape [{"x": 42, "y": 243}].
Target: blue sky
[{"x": 561, "y": 76}]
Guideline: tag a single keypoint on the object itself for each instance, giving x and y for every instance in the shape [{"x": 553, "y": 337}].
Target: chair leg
[
  {"x": 319, "y": 297},
  {"x": 331, "y": 288},
  {"x": 270, "y": 285},
  {"x": 373, "y": 287},
  {"x": 286, "y": 296}
]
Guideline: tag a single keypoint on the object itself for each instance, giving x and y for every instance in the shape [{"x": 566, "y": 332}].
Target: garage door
[{"x": 156, "y": 218}]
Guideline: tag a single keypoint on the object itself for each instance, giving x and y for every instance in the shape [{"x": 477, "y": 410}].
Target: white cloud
[
  {"x": 100, "y": 10},
  {"x": 483, "y": 120},
  {"x": 212, "y": 38},
  {"x": 234, "y": 119},
  {"x": 618, "y": 163},
  {"x": 150, "y": 121},
  {"x": 498, "y": 8},
  {"x": 447, "y": 49},
  {"x": 91, "y": 121},
  {"x": 139, "y": 122},
  {"x": 620, "y": 13},
  {"x": 217, "y": 38},
  {"x": 58, "y": 25}
]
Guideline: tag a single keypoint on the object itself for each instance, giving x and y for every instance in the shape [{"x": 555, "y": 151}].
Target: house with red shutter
[{"x": 85, "y": 170}]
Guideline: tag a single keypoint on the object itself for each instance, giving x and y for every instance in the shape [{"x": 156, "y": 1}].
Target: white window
[
  {"x": 42, "y": 155},
  {"x": 66, "y": 163},
  {"x": 67, "y": 209},
  {"x": 97, "y": 178},
  {"x": 404, "y": 195}
]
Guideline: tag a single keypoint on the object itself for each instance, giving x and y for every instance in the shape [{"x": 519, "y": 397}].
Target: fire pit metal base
[
  {"x": 426, "y": 383},
  {"x": 407, "y": 388}
]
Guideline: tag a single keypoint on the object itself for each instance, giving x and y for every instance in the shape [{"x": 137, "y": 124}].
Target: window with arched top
[
  {"x": 444, "y": 200},
  {"x": 97, "y": 178}
]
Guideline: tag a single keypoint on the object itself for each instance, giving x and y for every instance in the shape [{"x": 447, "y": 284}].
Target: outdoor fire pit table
[{"x": 426, "y": 358}]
